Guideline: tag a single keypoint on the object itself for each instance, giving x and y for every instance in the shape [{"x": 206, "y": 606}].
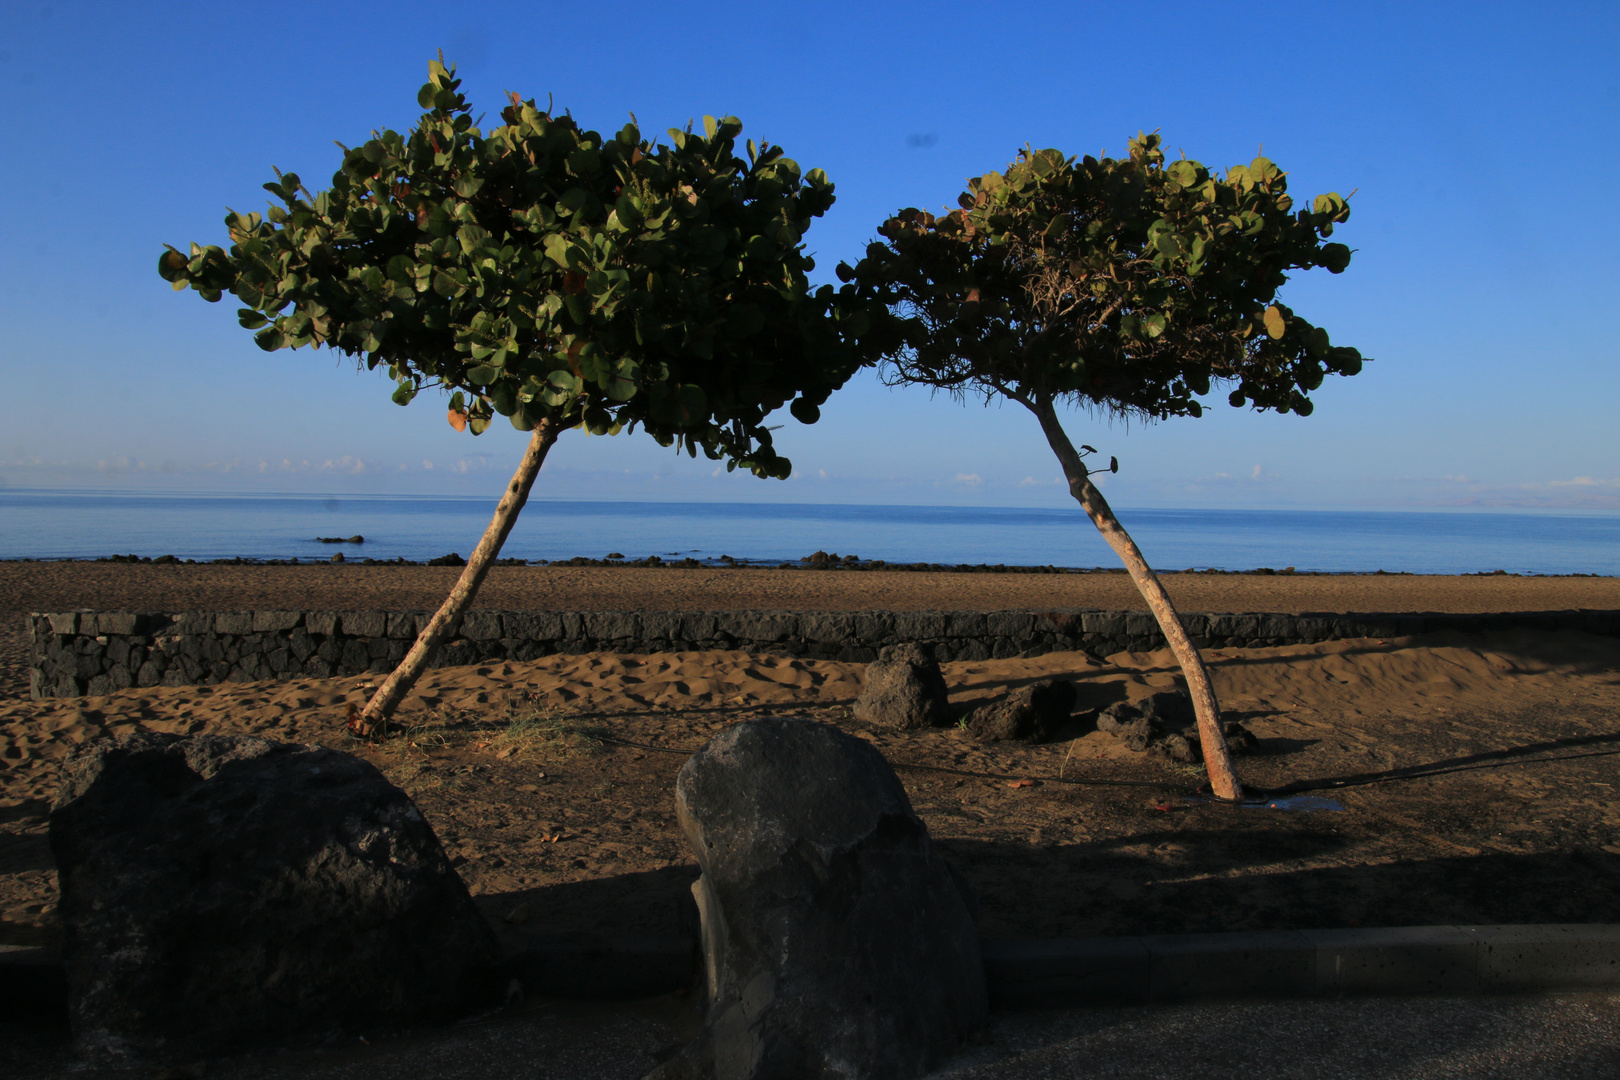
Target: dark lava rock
[
  {"x": 225, "y": 892},
  {"x": 1148, "y": 722},
  {"x": 1170, "y": 709},
  {"x": 1166, "y": 723},
  {"x": 905, "y": 689},
  {"x": 1033, "y": 713},
  {"x": 452, "y": 559},
  {"x": 1239, "y": 739},
  {"x": 837, "y": 941}
]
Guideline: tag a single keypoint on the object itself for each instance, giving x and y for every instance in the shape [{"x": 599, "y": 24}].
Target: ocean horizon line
[
  {"x": 75, "y": 524},
  {"x": 491, "y": 498}
]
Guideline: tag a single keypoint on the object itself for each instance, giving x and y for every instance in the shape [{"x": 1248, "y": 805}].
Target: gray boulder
[
  {"x": 1032, "y": 713},
  {"x": 903, "y": 688},
  {"x": 837, "y": 941},
  {"x": 225, "y": 892}
]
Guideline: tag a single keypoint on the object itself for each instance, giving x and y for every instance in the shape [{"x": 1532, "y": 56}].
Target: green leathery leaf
[
  {"x": 503, "y": 395},
  {"x": 560, "y": 251},
  {"x": 621, "y": 385},
  {"x": 1184, "y": 173}
]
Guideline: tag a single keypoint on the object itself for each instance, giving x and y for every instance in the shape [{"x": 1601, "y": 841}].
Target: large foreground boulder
[
  {"x": 904, "y": 688},
  {"x": 837, "y": 941},
  {"x": 1032, "y": 713},
  {"x": 224, "y": 892}
]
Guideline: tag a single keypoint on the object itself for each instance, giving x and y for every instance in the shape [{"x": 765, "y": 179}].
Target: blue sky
[{"x": 1481, "y": 140}]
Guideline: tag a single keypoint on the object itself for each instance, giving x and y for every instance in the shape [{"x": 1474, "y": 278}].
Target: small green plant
[{"x": 536, "y": 728}]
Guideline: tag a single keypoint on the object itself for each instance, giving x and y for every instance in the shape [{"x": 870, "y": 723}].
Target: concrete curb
[
  {"x": 1398, "y": 960},
  {"x": 1041, "y": 973}
]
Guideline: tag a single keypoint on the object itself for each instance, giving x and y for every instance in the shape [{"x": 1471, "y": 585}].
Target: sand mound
[{"x": 525, "y": 772}]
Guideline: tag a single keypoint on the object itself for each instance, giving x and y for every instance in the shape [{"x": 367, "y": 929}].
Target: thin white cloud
[
  {"x": 1584, "y": 481},
  {"x": 972, "y": 480}
]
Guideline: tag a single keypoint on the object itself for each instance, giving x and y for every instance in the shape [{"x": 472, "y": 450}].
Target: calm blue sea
[{"x": 42, "y": 524}]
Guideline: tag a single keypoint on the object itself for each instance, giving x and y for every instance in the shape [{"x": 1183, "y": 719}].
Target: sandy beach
[
  {"x": 64, "y": 586},
  {"x": 546, "y": 782},
  {"x": 515, "y": 742}
]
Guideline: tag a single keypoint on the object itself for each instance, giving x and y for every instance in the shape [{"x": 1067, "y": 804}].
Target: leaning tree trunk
[
  {"x": 397, "y": 685},
  {"x": 1217, "y": 757}
]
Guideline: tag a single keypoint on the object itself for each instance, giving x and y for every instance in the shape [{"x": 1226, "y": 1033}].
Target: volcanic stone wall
[{"x": 87, "y": 652}]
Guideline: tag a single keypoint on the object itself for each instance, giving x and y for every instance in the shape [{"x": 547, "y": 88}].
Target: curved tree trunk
[
  {"x": 1217, "y": 758},
  {"x": 448, "y": 617}
]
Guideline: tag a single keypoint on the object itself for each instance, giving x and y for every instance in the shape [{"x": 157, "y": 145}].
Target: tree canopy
[
  {"x": 1132, "y": 286},
  {"x": 542, "y": 271},
  {"x": 556, "y": 277},
  {"x": 1128, "y": 286}
]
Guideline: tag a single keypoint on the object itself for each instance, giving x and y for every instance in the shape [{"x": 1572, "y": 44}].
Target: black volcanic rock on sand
[{"x": 225, "y": 892}]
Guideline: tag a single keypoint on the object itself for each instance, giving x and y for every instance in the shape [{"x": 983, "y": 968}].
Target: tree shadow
[
  {"x": 1211, "y": 881},
  {"x": 25, "y": 810},
  {"x": 1489, "y": 759},
  {"x": 653, "y": 902},
  {"x": 20, "y": 854},
  {"x": 1109, "y": 894}
]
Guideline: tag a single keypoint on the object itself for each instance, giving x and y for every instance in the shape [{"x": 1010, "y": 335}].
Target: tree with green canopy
[
  {"x": 1127, "y": 287},
  {"x": 553, "y": 276}
]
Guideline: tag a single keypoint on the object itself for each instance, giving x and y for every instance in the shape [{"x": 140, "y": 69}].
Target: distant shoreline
[
  {"x": 108, "y": 586},
  {"x": 727, "y": 563}
]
